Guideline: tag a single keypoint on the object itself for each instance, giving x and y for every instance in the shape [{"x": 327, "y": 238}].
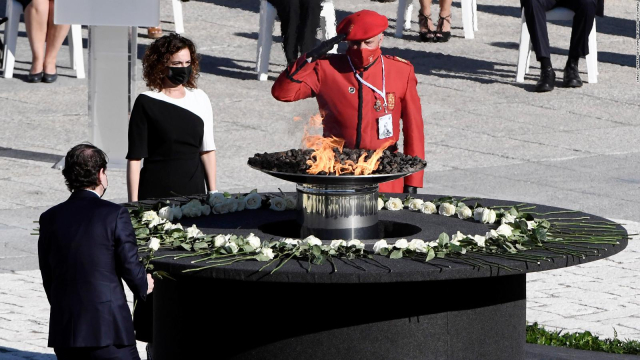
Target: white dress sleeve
[{"x": 208, "y": 143}]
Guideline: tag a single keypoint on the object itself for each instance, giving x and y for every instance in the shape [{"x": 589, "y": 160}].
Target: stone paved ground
[{"x": 486, "y": 136}]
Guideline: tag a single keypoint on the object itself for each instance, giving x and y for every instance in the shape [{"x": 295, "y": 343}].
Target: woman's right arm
[{"x": 133, "y": 179}]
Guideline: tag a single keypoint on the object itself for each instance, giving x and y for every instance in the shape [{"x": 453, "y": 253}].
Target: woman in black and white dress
[{"x": 171, "y": 126}]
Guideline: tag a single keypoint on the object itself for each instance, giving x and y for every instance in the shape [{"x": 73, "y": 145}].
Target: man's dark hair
[{"x": 82, "y": 166}]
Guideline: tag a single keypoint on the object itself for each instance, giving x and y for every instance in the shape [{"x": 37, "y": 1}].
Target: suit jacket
[
  {"x": 600, "y": 8},
  {"x": 87, "y": 246}
]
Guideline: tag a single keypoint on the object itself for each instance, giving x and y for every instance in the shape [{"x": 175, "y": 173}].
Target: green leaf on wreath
[
  {"x": 440, "y": 254},
  {"x": 200, "y": 245},
  {"x": 186, "y": 246},
  {"x": 396, "y": 254},
  {"x": 384, "y": 251},
  {"x": 142, "y": 231},
  {"x": 443, "y": 239},
  {"x": 318, "y": 260},
  {"x": 317, "y": 250},
  {"x": 430, "y": 255}
]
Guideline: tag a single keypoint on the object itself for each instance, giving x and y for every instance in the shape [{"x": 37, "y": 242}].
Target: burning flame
[{"x": 323, "y": 159}]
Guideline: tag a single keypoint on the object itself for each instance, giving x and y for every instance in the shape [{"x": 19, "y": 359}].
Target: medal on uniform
[{"x": 378, "y": 105}]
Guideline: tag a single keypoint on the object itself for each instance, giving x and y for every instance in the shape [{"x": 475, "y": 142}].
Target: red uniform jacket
[{"x": 348, "y": 105}]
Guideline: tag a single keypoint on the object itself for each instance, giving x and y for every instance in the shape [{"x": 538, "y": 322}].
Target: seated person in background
[
  {"x": 86, "y": 247},
  {"x": 535, "y": 14},
  {"x": 299, "y": 20}
]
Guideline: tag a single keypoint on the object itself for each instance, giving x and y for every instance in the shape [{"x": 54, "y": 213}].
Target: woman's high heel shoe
[
  {"x": 443, "y": 36},
  {"x": 426, "y": 34}
]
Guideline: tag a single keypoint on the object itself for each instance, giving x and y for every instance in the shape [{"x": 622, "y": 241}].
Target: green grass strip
[{"x": 536, "y": 334}]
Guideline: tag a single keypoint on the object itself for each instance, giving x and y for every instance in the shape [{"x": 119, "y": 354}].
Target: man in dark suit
[
  {"x": 87, "y": 246},
  {"x": 535, "y": 14}
]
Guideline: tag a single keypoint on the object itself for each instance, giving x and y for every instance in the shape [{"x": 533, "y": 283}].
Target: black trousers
[
  {"x": 299, "y": 20},
  {"x": 535, "y": 14},
  {"x": 113, "y": 352}
]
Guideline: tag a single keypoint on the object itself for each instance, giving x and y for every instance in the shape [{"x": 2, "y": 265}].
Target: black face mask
[{"x": 179, "y": 75}]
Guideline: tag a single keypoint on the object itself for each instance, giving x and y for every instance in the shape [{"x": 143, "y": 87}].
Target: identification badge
[{"x": 385, "y": 126}]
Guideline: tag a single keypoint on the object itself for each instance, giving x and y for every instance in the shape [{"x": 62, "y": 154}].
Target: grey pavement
[{"x": 486, "y": 136}]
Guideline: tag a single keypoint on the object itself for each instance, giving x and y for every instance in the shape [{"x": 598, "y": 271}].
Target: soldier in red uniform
[{"x": 361, "y": 94}]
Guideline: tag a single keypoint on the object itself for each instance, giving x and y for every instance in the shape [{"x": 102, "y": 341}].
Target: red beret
[{"x": 362, "y": 25}]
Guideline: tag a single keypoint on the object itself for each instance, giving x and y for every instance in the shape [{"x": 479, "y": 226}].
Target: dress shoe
[
  {"x": 49, "y": 78},
  {"x": 35, "y": 78},
  {"x": 547, "y": 80},
  {"x": 571, "y": 77}
]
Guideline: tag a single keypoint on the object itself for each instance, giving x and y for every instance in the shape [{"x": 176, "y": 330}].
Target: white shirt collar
[{"x": 93, "y": 192}]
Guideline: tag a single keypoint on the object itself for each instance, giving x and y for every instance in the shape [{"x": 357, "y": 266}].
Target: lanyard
[{"x": 382, "y": 93}]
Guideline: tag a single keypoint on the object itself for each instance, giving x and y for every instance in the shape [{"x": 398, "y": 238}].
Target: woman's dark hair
[
  {"x": 156, "y": 60},
  {"x": 82, "y": 167}
]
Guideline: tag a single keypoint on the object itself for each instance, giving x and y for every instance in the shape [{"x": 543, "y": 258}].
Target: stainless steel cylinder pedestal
[{"x": 338, "y": 211}]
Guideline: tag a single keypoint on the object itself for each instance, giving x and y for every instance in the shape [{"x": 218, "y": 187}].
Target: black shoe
[
  {"x": 571, "y": 77},
  {"x": 49, "y": 78},
  {"x": 35, "y": 78},
  {"x": 442, "y": 36},
  {"x": 547, "y": 80}
]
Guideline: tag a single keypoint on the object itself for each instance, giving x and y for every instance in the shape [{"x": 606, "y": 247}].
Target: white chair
[
  {"x": 177, "y": 16},
  {"x": 74, "y": 38},
  {"x": 469, "y": 17},
  {"x": 524, "y": 54},
  {"x": 265, "y": 35}
]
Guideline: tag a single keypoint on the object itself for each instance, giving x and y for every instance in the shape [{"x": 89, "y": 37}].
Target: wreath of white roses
[{"x": 515, "y": 232}]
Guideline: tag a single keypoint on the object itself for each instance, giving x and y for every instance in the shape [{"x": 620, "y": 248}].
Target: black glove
[
  {"x": 410, "y": 189},
  {"x": 324, "y": 47}
]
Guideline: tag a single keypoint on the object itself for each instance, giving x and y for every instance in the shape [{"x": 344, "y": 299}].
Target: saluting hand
[{"x": 324, "y": 47}]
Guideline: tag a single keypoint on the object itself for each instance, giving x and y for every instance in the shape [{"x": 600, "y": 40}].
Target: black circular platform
[{"x": 443, "y": 309}]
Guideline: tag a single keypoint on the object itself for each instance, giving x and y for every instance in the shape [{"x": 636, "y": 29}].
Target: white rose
[
  {"x": 479, "y": 240},
  {"x": 401, "y": 244},
  {"x": 531, "y": 224},
  {"x": 446, "y": 209},
  {"x": 457, "y": 237},
  {"x": 492, "y": 234},
  {"x": 505, "y": 230},
  {"x": 290, "y": 201},
  {"x": 433, "y": 244},
  {"x": 221, "y": 240},
  {"x": 477, "y": 213},
  {"x": 417, "y": 245},
  {"x": 312, "y": 240},
  {"x": 357, "y": 243},
  {"x": 220, "y": 209},
  {"x": 428, "y": 208},
  {"x": 394, "y": 204},
  {"x": 265, "y": 254},
  {"x": 177, "y": 212},
  {"x": 464, "y": 212},
  {"x": 278, "y": 204},
  {"x": 166, "y": 213},
  {"x": 205, "y": 210},
  {"x": 337, "y": 243},
  {"x": 380, "y": 204},
  {"x": 230, "y": 205},
  {"x": 253, "y": 201},
  {"x": 379, "y": 245},
  {"x": 233, "y": 247},
  {"x": 149, "y": 216},
  {"x": 154, "y": 244},
  {"x": 216, "y": 198},
  {"x": 157, "y": 221},
  {"x": 415, "y": 204},
  {"x": 240, "y": 203},
  {"x": 488, "y": 216},
  {"x": 292, "y": 242},
  {"x": 253, "y": 240},
  {"x": 193, "y": 232},
  {"x": 508, "y": 219}
]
